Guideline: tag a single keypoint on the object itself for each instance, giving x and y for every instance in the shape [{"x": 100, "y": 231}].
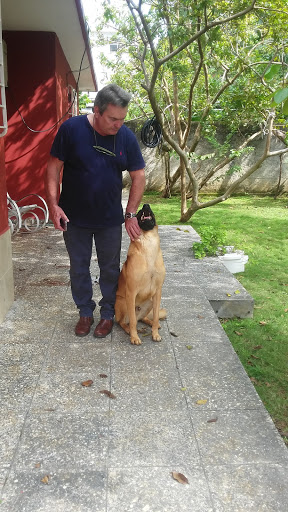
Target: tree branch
[{"x": 205, "y": 29}]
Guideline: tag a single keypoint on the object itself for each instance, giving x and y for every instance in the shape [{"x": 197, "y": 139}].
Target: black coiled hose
[{"x": 151, "y": 133}]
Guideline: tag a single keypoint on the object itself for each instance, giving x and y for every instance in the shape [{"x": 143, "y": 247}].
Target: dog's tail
[{"x": 162, "y": 314}]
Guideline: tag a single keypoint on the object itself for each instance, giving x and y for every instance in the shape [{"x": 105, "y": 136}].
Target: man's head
[
  {"x": 110, "y": 109},
  {"x": 111, "y": 94}
]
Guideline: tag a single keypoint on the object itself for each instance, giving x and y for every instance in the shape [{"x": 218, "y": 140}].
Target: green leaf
[
  {"x": 281, "y": 95},
  {"x": 271, "y": 72},
  {"x": 285, "y": 108}
]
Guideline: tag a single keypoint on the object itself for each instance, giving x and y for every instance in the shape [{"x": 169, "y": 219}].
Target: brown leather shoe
[
  {"x": 103, "y": 328},
  {"x": 83, "y": 325}
]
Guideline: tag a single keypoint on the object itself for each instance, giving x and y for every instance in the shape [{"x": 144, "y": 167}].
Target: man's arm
[
  {"x": 52, "y": 181},
  {"x": 135, "y": 196}
]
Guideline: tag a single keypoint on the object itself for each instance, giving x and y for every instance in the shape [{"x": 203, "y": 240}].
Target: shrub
[{"x": 212, "y": 242}]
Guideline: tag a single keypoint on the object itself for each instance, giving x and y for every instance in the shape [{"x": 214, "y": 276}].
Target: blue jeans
[{"x": 79, "y": 244}]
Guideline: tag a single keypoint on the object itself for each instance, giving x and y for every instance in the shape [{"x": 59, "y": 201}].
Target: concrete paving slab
[
  {"x": 238, "y": 437},
  {"x": 151, "y": 438},
  {"x": 25, "y": 359},
  {"x": 117, "y": 454},
  {"x": 63, "y": 393},
  {"x": 92, "y": 359},
  {"x": 147, "y": 390},
  {"x": 248, "y": 488},
  {"x": 16, "y": 394},
  {"x": 214, "y": 373},
  {"x": 67, "y": 491},
  {"x": 156, "y": 491},
  {"x": 63, "y": 442},
  {"x": 225, "y": 293},
  {"x": 189, "y": 324},
  {"x": 11, "y": 427}
]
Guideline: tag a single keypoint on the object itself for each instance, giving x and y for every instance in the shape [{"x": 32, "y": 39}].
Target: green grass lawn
[{"x": 259, "y": 226}]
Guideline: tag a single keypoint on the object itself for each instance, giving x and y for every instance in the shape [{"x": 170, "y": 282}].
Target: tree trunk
[
  {"x": 183, "y": 188},
  {"x": 167, "y": 190}
]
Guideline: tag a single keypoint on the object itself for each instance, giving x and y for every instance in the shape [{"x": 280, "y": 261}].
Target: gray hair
[{"x": 111, "y": 94}]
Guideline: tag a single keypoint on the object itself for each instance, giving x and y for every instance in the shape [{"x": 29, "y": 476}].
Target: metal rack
[{"x": 31, "y": 217}]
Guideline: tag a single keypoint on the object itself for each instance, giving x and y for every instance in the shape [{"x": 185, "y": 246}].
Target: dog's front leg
[
  {"x": 130, "y": 301},
  {"x": 155, "y": 322}
]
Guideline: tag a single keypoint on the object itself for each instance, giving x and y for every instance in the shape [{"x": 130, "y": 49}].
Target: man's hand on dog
[{"x": 132, "y": 228}]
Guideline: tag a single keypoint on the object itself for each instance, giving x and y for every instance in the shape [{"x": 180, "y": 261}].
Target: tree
[
  {"x": 198, "y": 65},
  {"x": 83, "y": 101}
]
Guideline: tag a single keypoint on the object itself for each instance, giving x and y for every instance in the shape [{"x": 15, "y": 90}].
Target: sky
[{"x": 90, "y": 8}]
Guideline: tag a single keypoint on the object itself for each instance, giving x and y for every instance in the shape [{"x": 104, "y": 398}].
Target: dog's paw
[
  {"x": 135, "y": 340},
  {"x": 156, "y": 336}
]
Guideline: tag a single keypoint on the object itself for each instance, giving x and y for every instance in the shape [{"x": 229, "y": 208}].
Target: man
[{"x": 93, "y": 151}]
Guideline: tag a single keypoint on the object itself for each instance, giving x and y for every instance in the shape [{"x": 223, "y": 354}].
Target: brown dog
[{"x": 141, "y": 279}]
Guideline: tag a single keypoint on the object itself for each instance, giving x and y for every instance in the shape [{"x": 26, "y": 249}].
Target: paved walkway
[{"x": 184, "y": 405}]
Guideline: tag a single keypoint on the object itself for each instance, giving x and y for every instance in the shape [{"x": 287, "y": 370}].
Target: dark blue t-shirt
[{"x": 92, "y": 181}]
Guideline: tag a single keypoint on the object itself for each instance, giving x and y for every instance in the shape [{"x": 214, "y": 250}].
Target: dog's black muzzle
[{"x": 146, "y": 218}]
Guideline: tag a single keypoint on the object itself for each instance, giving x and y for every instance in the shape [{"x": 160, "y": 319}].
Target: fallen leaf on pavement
[
  {"x": 45, "y": 480},
  {"x": 213, "y": 420},
  {"x": 108, "y": 393},
  {"x": 173, "y": 334},
  {"x": 87, "y": 383},
  {"x": 179, "y": 477},
  {"x": 201, "y": 402},
  {"x": 103, "y": 376}
]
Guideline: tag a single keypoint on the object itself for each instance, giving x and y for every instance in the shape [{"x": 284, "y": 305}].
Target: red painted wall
[
  {"x": 38, "y": 75},
  {"x": 3, "y": 198}
]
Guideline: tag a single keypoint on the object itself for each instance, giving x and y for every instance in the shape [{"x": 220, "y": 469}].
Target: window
[{"x": 114, "y": 47}]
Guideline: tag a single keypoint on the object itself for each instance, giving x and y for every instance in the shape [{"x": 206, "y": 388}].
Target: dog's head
[{"x": 146, "y": 218}]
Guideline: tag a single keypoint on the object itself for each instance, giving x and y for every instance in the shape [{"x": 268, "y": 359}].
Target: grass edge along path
[{"x": 259, "y": 226}]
